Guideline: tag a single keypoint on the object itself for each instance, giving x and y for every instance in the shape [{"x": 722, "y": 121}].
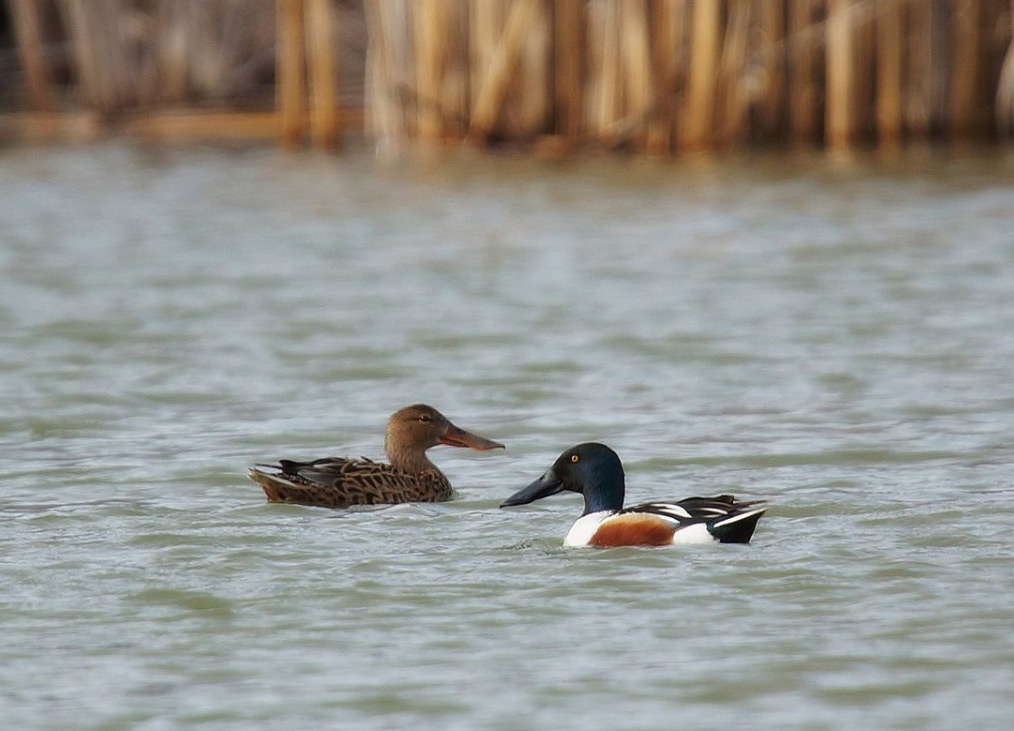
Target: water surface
[{"x": 836, "y": 340}]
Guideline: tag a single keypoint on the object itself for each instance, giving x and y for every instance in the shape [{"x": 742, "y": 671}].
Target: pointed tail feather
[
  {"x": 274, "y": 489},
  {"x": 738, "y": 527}
]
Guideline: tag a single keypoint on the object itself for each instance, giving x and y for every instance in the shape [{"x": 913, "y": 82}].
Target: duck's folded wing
[
  {"x": 330, "y": 471},
  {"x": 728, "y": 520},
  {"x": 671, "y": 511},
  {"x": 710, "y": 508},
  {"x": 336, "y": 482}
]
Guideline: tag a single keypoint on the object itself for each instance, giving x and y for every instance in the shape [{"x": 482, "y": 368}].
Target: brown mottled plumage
[{"x": 338, "y": 482}]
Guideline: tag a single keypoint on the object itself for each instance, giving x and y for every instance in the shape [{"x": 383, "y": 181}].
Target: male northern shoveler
[
  {"x": 595, "y": 471},
  {"x": 338, "y": 482}
]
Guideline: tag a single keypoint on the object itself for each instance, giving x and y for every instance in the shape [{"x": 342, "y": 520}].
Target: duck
[
  {"x": 408, "y": 476},
  {"x": 595, "y": 471}
]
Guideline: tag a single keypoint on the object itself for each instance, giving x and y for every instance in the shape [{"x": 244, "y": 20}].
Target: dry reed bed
[
  {"x": 142, "y": 65},
  {"x": 668, "y": 75},
  {"x": 657, "y": 75},
  {"x": 112, "y": 55}
]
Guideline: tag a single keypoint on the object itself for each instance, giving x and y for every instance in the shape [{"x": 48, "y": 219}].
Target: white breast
[{"x": 584, "y": 528}]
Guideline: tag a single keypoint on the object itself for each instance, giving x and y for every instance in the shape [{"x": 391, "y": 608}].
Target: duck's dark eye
[
  {"x": 574, "y": 458},
  {"x": 425, "y": 418}
]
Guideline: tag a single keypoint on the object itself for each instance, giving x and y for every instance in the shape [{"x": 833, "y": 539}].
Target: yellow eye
[{"x": 574, "y": 458}]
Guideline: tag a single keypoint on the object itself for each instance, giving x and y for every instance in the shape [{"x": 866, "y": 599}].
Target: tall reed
[{"x": 658, "y": 75}]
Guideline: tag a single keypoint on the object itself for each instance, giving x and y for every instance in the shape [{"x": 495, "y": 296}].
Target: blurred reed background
[{"x": 646, "y": 75}]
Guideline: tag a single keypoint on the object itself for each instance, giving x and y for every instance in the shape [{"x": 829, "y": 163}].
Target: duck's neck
[
  {"x": 408, "y": 459},
  {"x": 604, "y": 490}
]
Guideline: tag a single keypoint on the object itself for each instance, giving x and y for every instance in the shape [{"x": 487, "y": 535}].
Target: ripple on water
[{"x": 836, "y": 344}]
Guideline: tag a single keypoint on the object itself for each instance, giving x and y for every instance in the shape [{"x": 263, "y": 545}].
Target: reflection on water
[{"x": 838, "y": 341}]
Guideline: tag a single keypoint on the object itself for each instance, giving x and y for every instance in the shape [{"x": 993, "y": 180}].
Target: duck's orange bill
[{"x": 455, "y": 437}]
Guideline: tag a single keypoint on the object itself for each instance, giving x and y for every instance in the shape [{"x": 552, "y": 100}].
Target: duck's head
[
  {"x": 592, "y": 469},
  {"x": 418, "y": 427}
]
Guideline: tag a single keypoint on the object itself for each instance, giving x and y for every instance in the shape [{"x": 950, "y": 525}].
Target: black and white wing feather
[{"x": 727, "y": 519}]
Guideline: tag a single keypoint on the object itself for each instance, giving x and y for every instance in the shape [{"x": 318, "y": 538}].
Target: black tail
[{"x": 737, "y": 527}]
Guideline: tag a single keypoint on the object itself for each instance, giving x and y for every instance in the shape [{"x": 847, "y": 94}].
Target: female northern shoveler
[
  {"x": 337, "y": 482},
  {"x": 595, "y": 471}
]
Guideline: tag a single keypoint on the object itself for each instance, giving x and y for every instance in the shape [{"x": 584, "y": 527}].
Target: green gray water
[{"x": 840, "y": 342}]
